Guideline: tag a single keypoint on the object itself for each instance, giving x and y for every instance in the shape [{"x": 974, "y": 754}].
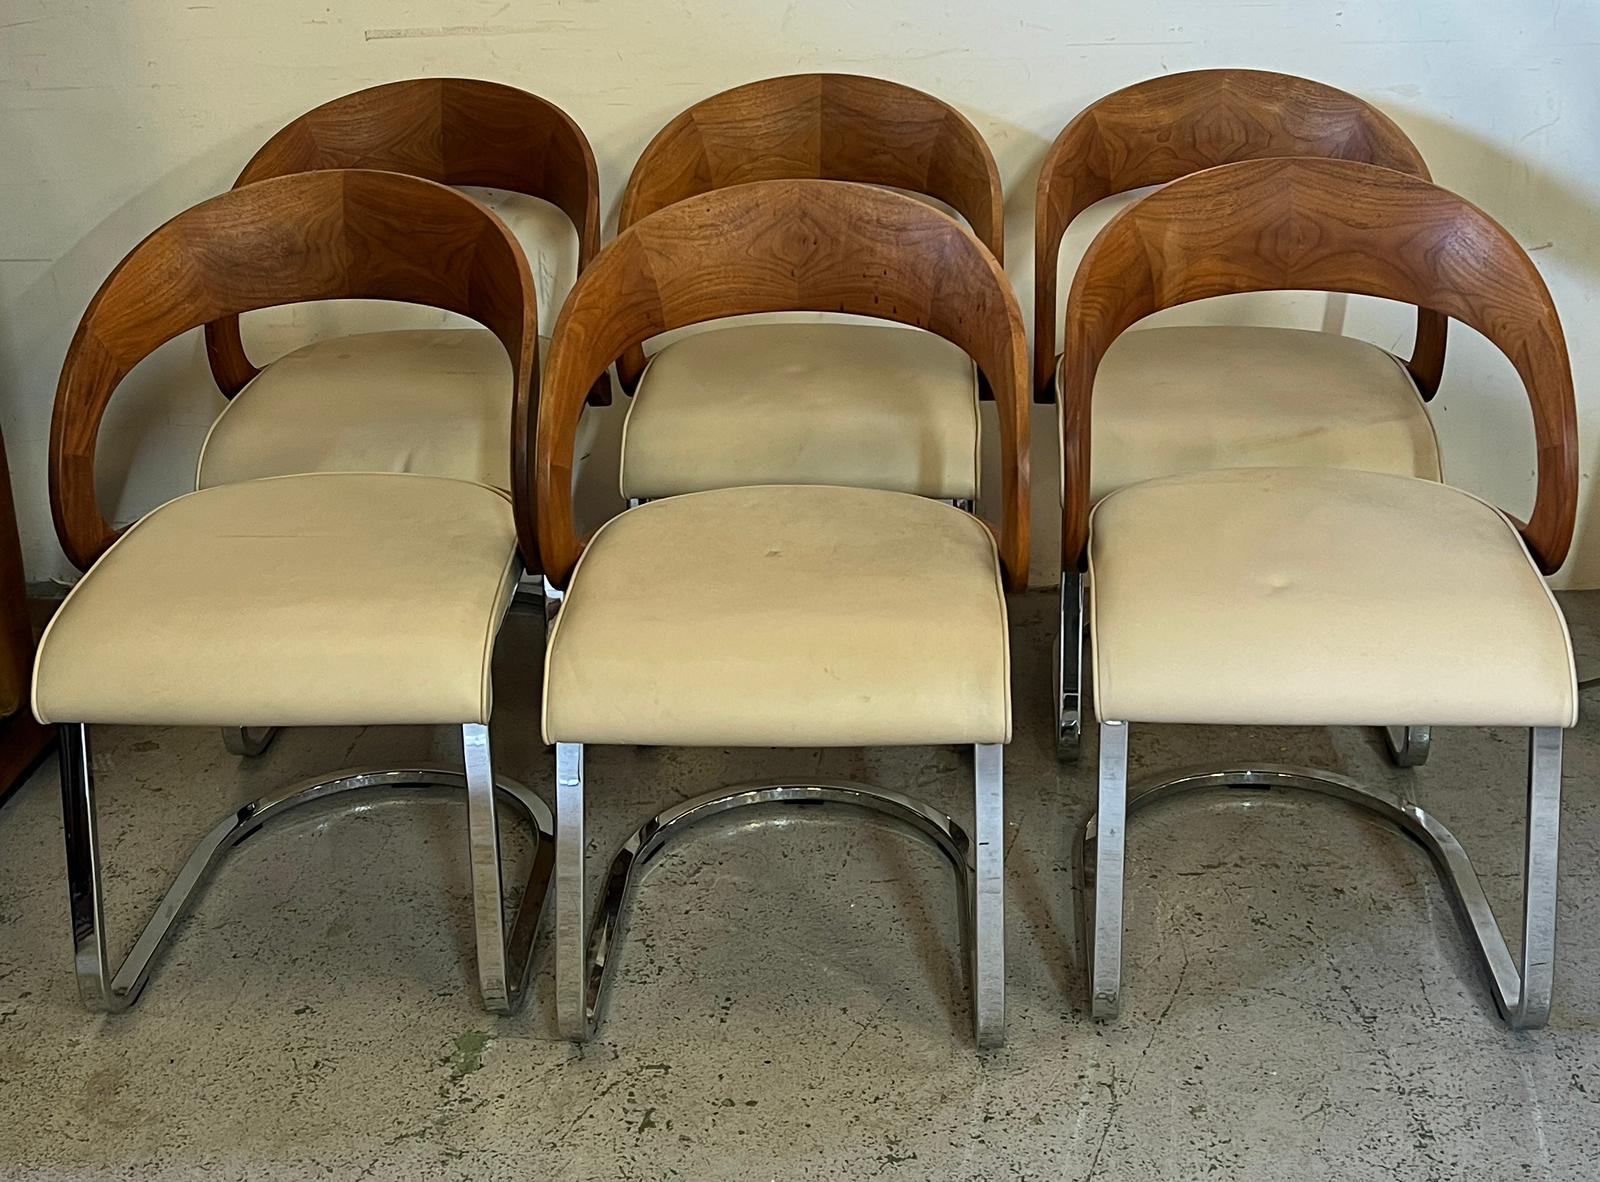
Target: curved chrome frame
[
  {"x": 502, "y": 961},
  {"x": 1523, "y": 998},
  {"x": 1408, "y": 746},
  {"x": 585, "y": 955}
]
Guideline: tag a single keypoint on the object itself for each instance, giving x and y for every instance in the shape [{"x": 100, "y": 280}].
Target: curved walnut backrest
[
  {"x": 781, "y": 246},
  {"x": 1156, "y": 131},
  {"x": 457, "y": 131},
  {"x": 344, "y": 234},
  {"x": 1324, "y": 225},
  {"x": 832, "y": 127}
]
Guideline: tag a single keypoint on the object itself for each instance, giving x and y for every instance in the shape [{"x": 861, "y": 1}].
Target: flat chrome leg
[
  {"x": 502, "y": 960},
  {"x": 585, "y": 956},
  {"x": 1522, "y": 996},
  {"x": 989, "y": 899},
  {"x": 107, "y": 989},
  {"x": 483, "y": 853},
  {"x": 1105, "y": 943},
  {"x": 1408, "y": 745},
  {"x": 1068, "y": 664},
  {"x": 80, "y": 822},
  {"x": 575, "y": 1010},
  {"x": 248, "y": 741},
  {"x": 1525, "y": 1001}
]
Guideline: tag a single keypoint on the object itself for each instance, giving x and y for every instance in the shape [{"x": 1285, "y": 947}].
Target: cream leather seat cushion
[
  {"x": 435, "y": 401},
  {"x": 853, "y": 404},
  {"x": 1320, "y": 596},
  {"x": 324, "y": 599},
  {"x": 783, "y": 616},
  {"x": 1171, "y": 400}
]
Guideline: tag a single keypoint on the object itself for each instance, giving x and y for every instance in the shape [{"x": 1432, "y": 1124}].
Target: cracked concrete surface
[{"x": 1301, "y": 999}]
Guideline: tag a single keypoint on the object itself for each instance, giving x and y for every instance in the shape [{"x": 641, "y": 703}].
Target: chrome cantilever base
[
  {"x": 586, "y": 954},
  {"x": 1522, "y": 997},
  {"x": 502, "y": 960}
]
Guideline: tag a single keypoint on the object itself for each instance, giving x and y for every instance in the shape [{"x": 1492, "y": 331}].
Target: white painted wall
[{"x": 116, "y": 114}]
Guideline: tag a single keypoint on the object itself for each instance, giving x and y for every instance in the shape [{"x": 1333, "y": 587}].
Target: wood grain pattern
[
  {"x": 838, "y": 127},
  {"x": 456, "y": 131},
  {"x": 777, "y": 246},
  {"x": 1324, "y": 225},
  {"x": 346, "y": 234},
  {"x": 1153, "y": 132}
]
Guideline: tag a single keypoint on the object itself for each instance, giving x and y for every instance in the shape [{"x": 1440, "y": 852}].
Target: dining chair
[
  {"x": 793, "y": 615},
  {"x": 810, "y": 403},
  {"x": 1181, "y": 399},
  {"x": 410, "y": 400},
  {"x": 419, "y": 400},
  {"x": 312, "y": 599},
  {"x": 1316, "y": 595}
]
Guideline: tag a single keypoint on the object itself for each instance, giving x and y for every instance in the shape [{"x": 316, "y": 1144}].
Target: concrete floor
[{"x": 1302, "y": 1002}]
